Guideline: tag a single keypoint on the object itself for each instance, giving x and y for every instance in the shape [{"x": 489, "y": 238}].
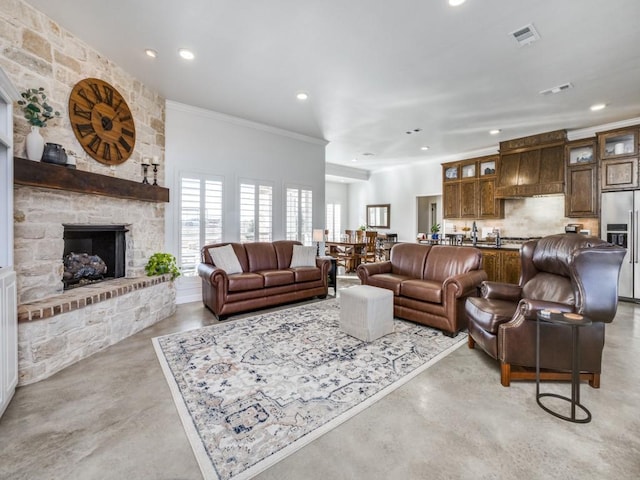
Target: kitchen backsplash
[{"x": 528, "y": 217}]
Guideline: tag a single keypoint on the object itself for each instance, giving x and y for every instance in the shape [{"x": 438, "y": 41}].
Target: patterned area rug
[{"x": 252, "y": 391}]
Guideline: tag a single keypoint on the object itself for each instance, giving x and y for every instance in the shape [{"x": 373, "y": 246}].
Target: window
[
  {"x": 333, "y": 221},
  {"x": 256, "y": 212},
  {"x": 200, "y": 218},
  {"x": 299, "y": 213}
]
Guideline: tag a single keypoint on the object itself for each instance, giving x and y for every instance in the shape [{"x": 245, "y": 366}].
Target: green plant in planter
[
  {"x": 162, "y": 263},
  {"x": 35, "y": 107},
  {"x": 435, "y": 228}
]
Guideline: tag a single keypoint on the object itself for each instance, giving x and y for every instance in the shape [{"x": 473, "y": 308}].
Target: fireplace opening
[{"x": 88, "y": 249}]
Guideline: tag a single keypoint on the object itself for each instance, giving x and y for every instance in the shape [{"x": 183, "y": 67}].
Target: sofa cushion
[
  {"x": 426, "y": 290},
  {"x": 240, "y": 282},
  {"x": 407, "y": 259},
  {"x": 273, "y": 278},
  {"x": 445, "y": 261},
  {"x": 303, "y": 256},
  {"x": 225, "y": 258},
  {"x": 490, "y": 313},
  {"x": 261, "y": 256},
  {"x": 389, "y": 281},
  {"x": 307, "y": 274}
]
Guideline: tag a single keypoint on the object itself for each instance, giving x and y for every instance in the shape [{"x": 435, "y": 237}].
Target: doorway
[{"x": 429, "y": 211}]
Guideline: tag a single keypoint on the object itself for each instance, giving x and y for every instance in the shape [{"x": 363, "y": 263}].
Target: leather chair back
[{"x": 576, "y": 270}]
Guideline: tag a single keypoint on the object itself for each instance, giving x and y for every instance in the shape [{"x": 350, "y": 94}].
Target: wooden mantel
[{"x": 59, "y": 177}]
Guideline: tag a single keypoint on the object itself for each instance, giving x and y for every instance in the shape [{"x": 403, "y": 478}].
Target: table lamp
[{"x": 318, "y": 236}]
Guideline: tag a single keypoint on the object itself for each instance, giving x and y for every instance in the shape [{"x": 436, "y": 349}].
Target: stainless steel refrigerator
[{"x": 619, "y": 225}]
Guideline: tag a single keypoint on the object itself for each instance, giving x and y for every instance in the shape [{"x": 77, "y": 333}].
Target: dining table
[{"x": 347, "y": 253}]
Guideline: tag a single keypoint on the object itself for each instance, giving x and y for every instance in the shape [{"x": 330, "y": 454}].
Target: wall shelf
[{"x": 59, "y": 177}]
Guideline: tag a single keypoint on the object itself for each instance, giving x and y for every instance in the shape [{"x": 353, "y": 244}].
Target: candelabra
[
  {"x": 145, "y": 168},
  {"x": 155, "y": 163}
]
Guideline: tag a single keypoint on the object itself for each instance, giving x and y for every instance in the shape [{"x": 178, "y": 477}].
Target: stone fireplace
[{"x": 123, "y": 223}]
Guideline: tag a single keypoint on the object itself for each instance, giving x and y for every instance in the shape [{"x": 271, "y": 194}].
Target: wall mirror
[{"x": 379, "y": 216}]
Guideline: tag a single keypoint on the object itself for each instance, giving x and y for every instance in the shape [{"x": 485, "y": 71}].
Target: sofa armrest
[
  {"x": 501, "y": 291},
  {"x": 466, "y": 283},
  {"x": 530, "y": 308},
  {"x": 213, "y": 275},
  {"x": 366, "y": 270}
]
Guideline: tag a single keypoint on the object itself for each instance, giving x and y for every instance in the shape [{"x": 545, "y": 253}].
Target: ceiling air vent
[
  {"x": 558, "y": 89},
  {"x": 526, "y": 35}
]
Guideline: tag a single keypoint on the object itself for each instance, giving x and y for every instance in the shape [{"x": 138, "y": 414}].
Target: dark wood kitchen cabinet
[
  {"x": 581, "y": 172},
  {"x": 451, "y": 200},
  {"x": 618, "y": 152},
  {"x": 532, "y": 165},
  {"x": 501, "y": 265},
  {"x": 468, "y": 189}
]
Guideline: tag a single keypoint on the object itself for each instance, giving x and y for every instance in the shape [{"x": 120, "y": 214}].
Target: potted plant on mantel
[{"x": 37, "y": 112}]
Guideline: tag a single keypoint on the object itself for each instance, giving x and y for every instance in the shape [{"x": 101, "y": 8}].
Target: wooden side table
[{"x": 575, "y": 321}]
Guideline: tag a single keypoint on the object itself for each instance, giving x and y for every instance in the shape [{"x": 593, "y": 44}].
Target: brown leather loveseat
[
  {"x": 430, "y": 283},
  {"x": 266, "y": 278}
]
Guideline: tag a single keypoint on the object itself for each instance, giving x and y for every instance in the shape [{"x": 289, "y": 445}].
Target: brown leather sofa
[
  {"x": 265, "y": 280},
  {"x": 566, "y": 272},
  {"x": 430, "y": 283}
]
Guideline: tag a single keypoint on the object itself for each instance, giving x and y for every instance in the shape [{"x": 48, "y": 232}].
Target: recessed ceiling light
[
  {"x": 151, "y": 53},
  {"x": 495, "y": 131},
  {"x": 354, "y": 160},
  {"x": 186, "y": 54},
  {"x": 455, "y": 3},
  {"x": 598, "y": 106},
  {"x": 302, "y": 96},
  {"x": 426, "y": 147}
]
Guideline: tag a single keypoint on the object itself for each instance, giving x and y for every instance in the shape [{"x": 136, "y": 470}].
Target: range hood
[{"x": 532, "y": 166}]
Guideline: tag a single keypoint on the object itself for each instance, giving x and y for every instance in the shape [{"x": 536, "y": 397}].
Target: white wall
[
  {"x": 203, "y": 141},
  {"x": 398, "y": 187}
]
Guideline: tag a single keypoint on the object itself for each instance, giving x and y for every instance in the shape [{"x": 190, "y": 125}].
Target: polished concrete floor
[{"x": 111, "y": 416}]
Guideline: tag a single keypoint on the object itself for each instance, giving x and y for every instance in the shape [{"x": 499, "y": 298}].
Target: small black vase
[{"x": 54, "y": 153}]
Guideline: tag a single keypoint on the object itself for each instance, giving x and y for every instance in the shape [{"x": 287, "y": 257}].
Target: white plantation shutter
[
  {"x": 256, "y": 212},
  {"x": 265, "y": 213},
  {"x": 299, "y": 213},
  {"x": 200, "y": 219},
  {"x": 333, "y": 221}
]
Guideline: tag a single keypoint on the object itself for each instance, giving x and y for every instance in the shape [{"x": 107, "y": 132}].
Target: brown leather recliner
[{"x": 567, "y": 272}]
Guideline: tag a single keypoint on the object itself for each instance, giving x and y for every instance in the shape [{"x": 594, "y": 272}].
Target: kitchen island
[{"x": 502, "y": 264}]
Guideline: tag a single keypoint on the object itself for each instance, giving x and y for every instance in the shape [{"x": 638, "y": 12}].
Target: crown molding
[{"x": 591, "y": 131}]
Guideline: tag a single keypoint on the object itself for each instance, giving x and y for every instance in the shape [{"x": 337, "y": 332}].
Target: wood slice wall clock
[{"x": 102, "y": 121}]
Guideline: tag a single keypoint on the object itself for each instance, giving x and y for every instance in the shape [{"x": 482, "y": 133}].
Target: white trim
[
  {"x": 243, "y": 123},
  {"x": 591, "y": 131},
  {"x": 337, "y": 170}
]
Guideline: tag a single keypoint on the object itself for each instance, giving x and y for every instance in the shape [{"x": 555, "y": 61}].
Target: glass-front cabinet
[
  {"x": 618, "y": 152},
  {"x": 487, "y": 167},
  {"x": 450, "y": 172},
  {"x": 619, "y": 143}
]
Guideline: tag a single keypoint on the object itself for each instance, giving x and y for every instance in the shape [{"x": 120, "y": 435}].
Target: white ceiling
[{"x": 375, "y": 69}]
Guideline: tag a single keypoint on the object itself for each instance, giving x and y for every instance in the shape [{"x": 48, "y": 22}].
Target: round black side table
[{"x": 575, "y": 322}]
